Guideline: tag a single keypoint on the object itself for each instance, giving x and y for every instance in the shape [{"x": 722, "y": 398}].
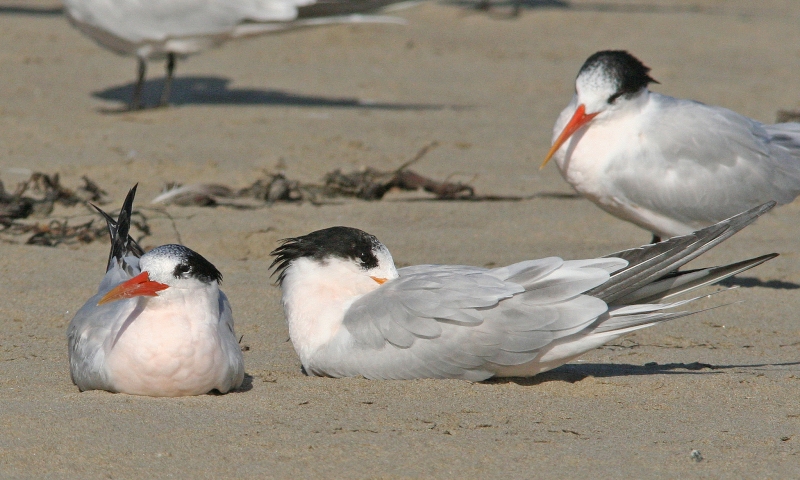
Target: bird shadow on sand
[
  {"x": 215, "y": 91},
  {"x": 489, "y": 198},
  {"x": 246, "y": 386},
  {"x": 247, "y": 383},
  {"x": 600, "y": 6},
  {"x": 573, "y": 373},
  {"x": 750, "y": 282},
  {"x": 33, "y": 11}
]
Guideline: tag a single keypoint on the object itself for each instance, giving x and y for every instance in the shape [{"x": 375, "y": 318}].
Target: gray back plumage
[{"x": 472, "y": 323}]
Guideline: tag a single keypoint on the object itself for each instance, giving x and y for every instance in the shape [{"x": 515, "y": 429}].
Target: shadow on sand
[
  {"x": 618, "y": 7},
  {"x": 215, "y": 91},
  {"x": 750, "y": 282},
  {"x": 32, "y": 11},
  {"x": 576, "y": 372}
]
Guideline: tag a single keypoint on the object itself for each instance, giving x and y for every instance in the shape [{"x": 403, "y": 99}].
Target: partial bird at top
[
  {"x": 157, "y": 29},
  {"x": 666, "y": 164}
]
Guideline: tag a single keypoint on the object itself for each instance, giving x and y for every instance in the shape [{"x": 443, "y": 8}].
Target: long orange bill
[
  {"x": 138, "y": 286},
  {"x": 579, "y": 119}
]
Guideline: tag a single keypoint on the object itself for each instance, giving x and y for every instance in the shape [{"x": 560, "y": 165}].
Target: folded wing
[{"x": 461, "y": 322}]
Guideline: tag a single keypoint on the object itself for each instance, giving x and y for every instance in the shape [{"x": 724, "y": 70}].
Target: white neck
[
  {"x": 315, "y": 298},
  {"x": 191, "y": 292}
]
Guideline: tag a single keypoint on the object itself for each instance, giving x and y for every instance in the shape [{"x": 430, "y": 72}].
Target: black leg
[
  {"x": 656, "y": 239},
  {"x": 136, "y": 100},
  {"x": 168, "y": 81},
  {"x": 517, "y": 8}
]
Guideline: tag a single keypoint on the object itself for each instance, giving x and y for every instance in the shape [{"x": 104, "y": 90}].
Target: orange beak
[
  {"x": 138, "y": 286},
  {"x": 579, "y": 119},
  {"x": 380, "y": 280}
]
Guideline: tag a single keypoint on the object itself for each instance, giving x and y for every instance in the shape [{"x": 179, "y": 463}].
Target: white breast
[{"x": 171, "y": 349}]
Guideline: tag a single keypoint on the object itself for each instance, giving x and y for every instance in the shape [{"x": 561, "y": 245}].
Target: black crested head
[
  {"x": 339, "y": 242},
  {"x": 627, "y": 72},
  {"x": 189, "y": 264}
]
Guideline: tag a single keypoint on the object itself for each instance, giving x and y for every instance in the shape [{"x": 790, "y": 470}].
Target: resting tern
[
  {"x": 168, "y": 29},
  {"x": 666, "y": 164},
  {"x": 158, "y": 325},
  {"x": 351, "y": 312}
]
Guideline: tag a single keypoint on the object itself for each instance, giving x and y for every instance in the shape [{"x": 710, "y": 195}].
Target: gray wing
[
  {"x": 700, "y": 163},
  {"x": 138, "y": 20},
  {"x": 652, "y": 271},
  {"x": 461, "y": 322},
  {"x": 230, "y": 346},
  {"x": 92, "y": 330},
  {"x": 94, "y": 326}
]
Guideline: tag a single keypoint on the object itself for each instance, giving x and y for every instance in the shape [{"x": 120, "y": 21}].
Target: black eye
[
  {"x": 180, "y": 270},
  {"x": 613, "y": 98}
]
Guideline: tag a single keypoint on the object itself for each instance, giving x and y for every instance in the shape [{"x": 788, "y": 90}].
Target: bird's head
[
  {"x": 342, "y": 249},
  {"x": 166, "y": 267},
  {"x": 605, "y": 83}
]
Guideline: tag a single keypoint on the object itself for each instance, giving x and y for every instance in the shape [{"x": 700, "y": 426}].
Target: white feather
[{"x": 673, "y": 166}]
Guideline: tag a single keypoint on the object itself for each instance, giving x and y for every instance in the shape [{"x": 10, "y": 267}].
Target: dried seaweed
[
  {"x": 784, "y": 116},
  {"x": 40, "y": 193},
  {"x": 55, "y": 232},
  {"x": 365, "y": 184},
  {"x": 38, "y": 196},
  {"x": 371, "y": 184},
  {"x": 277, "y": 188}
]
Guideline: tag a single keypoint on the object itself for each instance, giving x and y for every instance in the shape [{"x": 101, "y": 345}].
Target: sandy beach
[{"x": 488, "y": 89}]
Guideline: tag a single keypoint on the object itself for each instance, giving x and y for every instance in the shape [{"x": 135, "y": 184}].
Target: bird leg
[
  {"x": 136, "y": 100},
  {"x": 656, "y": 239},
  {"x": 168, "y": 81}
]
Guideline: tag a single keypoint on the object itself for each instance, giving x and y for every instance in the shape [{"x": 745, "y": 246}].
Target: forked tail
[
  {"x": 652, "y": 271},
  {"x": 122, "y": 244},
  {"x": 635, "y": 293}
]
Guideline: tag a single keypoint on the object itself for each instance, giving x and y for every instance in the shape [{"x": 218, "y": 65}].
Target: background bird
[
  {"x": 158, "y": 325},
  {"x": 350, "y": 312},
  {"x": 668, "y": 165},
  {"x": 168, "y": 29}
]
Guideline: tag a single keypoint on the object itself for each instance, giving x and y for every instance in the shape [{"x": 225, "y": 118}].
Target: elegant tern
[
  {"x": 351, "y": 312},
  {"x": 666, "y": 164},
  {"x": 158, "y": 325},
  {"x": 169, "y": 29}
]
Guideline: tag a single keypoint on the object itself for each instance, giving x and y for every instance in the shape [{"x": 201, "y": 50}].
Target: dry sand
[{"x": 488, "y": 89}]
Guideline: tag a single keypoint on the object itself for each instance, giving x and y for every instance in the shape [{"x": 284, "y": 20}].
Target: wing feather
[
  {"x": 444, "y": 321},
  {"x": 473, "y": 323},
  {"x": 90, "y": 330},
  {"x": 230, "y": 346},
  {"x": 748, "y": 163}
]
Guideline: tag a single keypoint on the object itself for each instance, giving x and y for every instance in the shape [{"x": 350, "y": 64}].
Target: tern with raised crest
[{"x": 159, "y": 324}]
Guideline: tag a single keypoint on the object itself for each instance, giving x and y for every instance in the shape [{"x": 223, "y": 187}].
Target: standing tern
[
  {"x": 666, "y": 164},
  {"x": 158, "y": 325},
  {"x": 168, "y": 29},
  {"x": 350, "y": 312}
]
